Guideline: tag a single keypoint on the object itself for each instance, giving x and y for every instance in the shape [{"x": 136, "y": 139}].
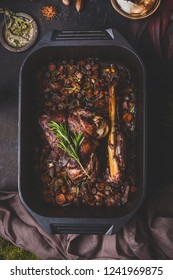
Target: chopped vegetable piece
[{"x": 127, "y": 117}]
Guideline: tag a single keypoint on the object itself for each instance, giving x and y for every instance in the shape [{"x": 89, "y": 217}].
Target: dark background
[{"x": 96, "y": 14}]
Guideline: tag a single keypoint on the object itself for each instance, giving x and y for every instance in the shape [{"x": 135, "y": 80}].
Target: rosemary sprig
[{"x": 68, "y": 143}]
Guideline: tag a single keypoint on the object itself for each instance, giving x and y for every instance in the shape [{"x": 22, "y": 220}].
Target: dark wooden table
[{"x": 97, "y": 14}]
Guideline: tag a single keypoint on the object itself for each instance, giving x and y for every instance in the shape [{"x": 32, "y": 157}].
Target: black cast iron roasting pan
[{"x": 110, "y": 46}]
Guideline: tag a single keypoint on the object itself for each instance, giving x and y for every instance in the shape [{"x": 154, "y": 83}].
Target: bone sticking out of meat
[
  {"x": 113, "y": 162},
  {"x": 120, "y": 151}
]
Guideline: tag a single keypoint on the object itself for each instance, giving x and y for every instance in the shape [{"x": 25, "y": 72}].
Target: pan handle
[
  {"x": 83, "y": 38},
  {"x": 70, "y": 35},
  {"x": 61, "y": 228}
]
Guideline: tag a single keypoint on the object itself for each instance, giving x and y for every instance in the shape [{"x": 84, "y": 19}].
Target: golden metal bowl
[{"x": 135, "y": 17}]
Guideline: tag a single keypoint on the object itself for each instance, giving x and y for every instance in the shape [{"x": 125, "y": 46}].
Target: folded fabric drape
[{"x": 160, "y": 30}]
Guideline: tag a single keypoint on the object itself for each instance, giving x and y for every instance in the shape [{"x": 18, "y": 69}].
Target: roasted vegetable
[
  {"x": 127, "y": 117},
  {"x": 102, "y": 127}
]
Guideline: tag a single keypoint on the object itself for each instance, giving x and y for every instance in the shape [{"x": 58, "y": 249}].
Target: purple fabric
[{"x": 160, "y": 29}]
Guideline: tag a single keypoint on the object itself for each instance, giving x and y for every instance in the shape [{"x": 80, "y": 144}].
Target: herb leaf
[{"x": 69, "y": 143}]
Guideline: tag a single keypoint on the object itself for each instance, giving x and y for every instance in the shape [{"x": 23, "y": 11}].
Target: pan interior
[{"x": 28, "y": 188}]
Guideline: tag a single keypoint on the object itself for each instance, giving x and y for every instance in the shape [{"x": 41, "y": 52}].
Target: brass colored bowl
[{"x": 121, "y": 12}]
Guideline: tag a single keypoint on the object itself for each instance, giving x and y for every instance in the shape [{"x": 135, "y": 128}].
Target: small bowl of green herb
[{"x": 18, "y": 31}]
